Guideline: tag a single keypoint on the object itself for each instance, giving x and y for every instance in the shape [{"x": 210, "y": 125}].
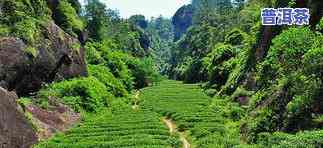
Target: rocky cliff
[
  {"x": 33, "y": 49},
  {"x": 58, "y": 56},
  {"x": 15, "y": 130},
  {"x": 36, "y": 48},
  {"x": 182, "y": 20}
]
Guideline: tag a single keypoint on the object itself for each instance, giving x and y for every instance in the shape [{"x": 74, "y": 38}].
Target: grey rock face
[
  {"x": 56, "y": 56},
  {"x": 15, "y": 130}
]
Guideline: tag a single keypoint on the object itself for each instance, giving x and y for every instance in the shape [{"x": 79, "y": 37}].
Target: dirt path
[
  {"x": 136, "y": 99},
  {"x": 172, "y": 128},
  {"x": 170, "y": 124}
]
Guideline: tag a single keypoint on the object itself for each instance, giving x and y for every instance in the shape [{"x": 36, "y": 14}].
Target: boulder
[
  {"x": 56, "y": 56},
  {"x": 15, "y": 129},
  {"x": 57, "y": 118}
]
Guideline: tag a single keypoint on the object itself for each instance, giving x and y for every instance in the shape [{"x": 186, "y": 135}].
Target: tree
[
  {"x": 99, "y": 19},
  {"x": 160, "y": 30},
  {"x": 139, "y": 20}
]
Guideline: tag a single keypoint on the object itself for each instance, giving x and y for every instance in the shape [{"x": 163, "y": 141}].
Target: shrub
[
  {"x": 218, "y": 64},
  {"x": 80, "y": 93},
  {"x": 132, "y": 71},
  {"x": 104, "y": 53},
  {"x": 313, "y": 61},
  {"x": 26, "y": 30},
  {"x": 92, "y": 54},
  {"x": 104, "y": 75},
  {"x": 180, "y": 69},
  {"x": 67, "y": 17},
  {"x": 287, "y": 54},
  {"x": 289, "y": 47},
  {"x": 22, "y": 18},
  {"x": 306, "y": 139},
  {"x": 306, "y": 92},
  {"x": 4, "y": 30},
  {"x": 235, "y": 37},
  {"x": 18, "y": 10},
  {"x": 241, "y": 92},
  {"x": 194, "y": 72},
  {"x": 143, "y": 71},
  {"x": 319, "y": 26},
  {"x": 116, "y": 62},
  {"x": 226, "y": 108}
]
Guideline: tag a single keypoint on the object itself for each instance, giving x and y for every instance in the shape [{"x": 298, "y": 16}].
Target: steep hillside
[
  {"x": 34, "y": 50},
  {"x": 273, "y": 72},
  {"x": 182, "y": 20}
]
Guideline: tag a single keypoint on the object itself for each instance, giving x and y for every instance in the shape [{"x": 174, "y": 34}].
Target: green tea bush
[
  {"x": 87, "y": 94},
  {"x": 104, "y": 75}
]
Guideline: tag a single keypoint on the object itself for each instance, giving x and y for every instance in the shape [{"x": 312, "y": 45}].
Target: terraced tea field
[
  {"x": 126, "y": 129},
  {"x": 185, "y": 105},
  {"x": 190, "y": 109}
]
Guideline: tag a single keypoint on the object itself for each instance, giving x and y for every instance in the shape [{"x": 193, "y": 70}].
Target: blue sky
[{"x": 149, "y": 8}]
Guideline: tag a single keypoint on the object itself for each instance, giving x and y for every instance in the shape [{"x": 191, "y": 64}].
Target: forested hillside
[
  {"x": 272, "y": 73},
  {"x": 78, "y": 75}
]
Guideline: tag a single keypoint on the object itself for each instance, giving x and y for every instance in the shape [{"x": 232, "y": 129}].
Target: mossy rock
[{"x": 31, "y": 51}]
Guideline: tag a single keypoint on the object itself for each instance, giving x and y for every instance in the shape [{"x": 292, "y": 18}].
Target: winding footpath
[
  {"x": 169, "y": 123},
  {"x": 172, "y": 129}
]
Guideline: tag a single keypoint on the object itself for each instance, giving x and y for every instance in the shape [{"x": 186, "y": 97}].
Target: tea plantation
[
  {"x": 128, "y": 128},
  {"x": 191, "y": 109},
  {"x": 123, "y": 126}
]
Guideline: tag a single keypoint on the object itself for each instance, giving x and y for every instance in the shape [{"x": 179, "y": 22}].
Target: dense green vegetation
[
  {"x": 272, "y": 74},
  {"x": 245, "y": 85}
]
